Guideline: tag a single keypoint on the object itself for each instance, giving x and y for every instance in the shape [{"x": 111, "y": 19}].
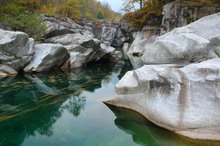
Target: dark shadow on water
[{"x": 144, "y": 133}]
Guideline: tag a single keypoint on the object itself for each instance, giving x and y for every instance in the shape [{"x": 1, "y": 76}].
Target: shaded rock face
[
  {"x": 108, "y": 34},
  {"x": 184, "y": 100},
  {"x": 47, "y": 56},
  {"x": 194, "y": 42},
  {"x": 16, "y": 51},
  {"x": 177, "y": 14},
  {"x": 121, "y": 37}
]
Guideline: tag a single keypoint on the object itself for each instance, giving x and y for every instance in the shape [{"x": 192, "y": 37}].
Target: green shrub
[{"x": 26, "y": 22}]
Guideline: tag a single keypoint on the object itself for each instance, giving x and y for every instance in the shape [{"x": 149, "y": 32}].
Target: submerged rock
[
  {"x": 194, "y": 42},
  {"x": 16, "y": 51},
  {"x": 47, "y": 56},
  {"x": 184, "y": 100}
]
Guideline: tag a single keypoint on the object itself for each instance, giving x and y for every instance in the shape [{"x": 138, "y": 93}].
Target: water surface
[{"x": 65, "y": 109}]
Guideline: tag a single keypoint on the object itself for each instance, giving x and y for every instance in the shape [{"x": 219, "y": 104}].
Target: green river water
[{"x": 66, "y": 109}]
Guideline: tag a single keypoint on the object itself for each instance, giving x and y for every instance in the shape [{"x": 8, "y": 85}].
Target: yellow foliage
[
  {"x": 140, "y": 17},
  {"x": 47, "y": 9},
  {"x": 70, "y": 9}
]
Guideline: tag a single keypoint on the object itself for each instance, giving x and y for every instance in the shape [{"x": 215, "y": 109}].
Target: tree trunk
[{"x": 141, "y": 4}]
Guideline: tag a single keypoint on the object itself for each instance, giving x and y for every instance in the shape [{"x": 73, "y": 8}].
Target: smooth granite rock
[
  {"x": 194, "y": 42},
  {"x": 184, "y": 100},
  {"x": 47, "y": 56},
  {"x": 16, "y": 51}
]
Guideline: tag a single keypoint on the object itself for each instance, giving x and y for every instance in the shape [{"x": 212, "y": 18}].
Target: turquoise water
[{"x": 65, "y": 109}]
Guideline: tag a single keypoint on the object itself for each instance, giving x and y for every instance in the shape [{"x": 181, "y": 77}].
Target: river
[{"x": 65, "y": 108}]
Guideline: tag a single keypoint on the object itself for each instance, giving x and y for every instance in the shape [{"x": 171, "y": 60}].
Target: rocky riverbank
[
  {"x": 66, "y": 45},
  {"x": 160, "y": 42},
  {"x": 168, "y": 90},
  {"x": 177, "y": 88},
  {"x": 181, "y": 99}
]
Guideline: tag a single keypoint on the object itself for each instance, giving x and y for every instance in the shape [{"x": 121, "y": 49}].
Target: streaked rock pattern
[{"x": 184, "y": 100}]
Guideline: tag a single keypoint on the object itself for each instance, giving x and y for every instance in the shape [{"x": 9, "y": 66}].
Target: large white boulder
[
  {"x": 184, "y": 100},
  {"x": 47, "y": 56},
  {"x": 16, "y": 51},
  {"x": 194, "y": 42}
]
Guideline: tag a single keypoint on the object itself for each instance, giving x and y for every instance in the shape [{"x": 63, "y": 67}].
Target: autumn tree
[{"x": 70, "y": 8}]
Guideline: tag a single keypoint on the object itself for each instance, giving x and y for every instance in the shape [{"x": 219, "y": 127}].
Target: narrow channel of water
[{"x": 65, "y": 109}]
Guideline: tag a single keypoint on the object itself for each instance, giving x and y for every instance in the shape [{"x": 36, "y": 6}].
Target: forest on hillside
[
  {"x": 74, "y": 9},
  {"x": 23, "y": 15}
]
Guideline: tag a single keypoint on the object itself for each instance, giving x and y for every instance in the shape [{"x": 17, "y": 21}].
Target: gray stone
[
  {"x": 119, "y": 38},
  {"x": 79, "y": 56},
  {"x": 142, "y": 39},
  {"x": 16, "y": 50},
  {"x": 75, "y": 39},
  {"x": 108, "y": 34},
  {"x": 56, "y": 26},
  {"x": 47, "y": 56},
  {"x": 178, "y": 14},
  {"x": 184, "y": 100},
  {"x": 190, "y": 43}
]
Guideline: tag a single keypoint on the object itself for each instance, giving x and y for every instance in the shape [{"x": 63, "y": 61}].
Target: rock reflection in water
[
  {"x": 32, "y": 104},
  {"x": 144, "y": 133}
]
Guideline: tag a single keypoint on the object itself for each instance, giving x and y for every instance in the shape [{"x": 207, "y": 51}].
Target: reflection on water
[
  {"x": 31, "y": 104},
  {"x": 66, "y": 109},
  {"x": 145, "y": 133}
]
